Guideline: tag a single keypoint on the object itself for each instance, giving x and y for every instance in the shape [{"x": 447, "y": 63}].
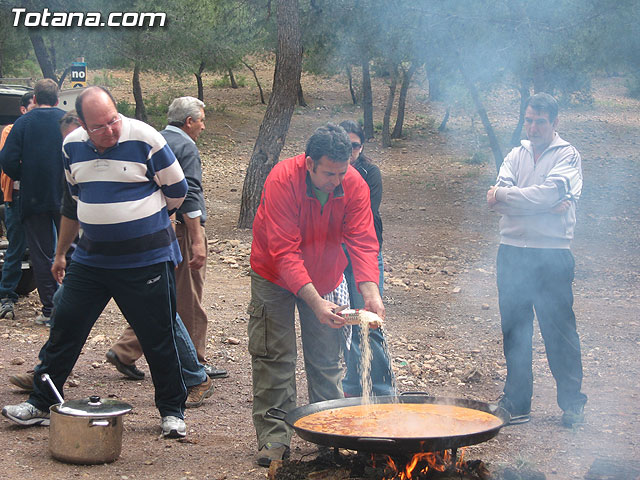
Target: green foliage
[
  {"x": 126, "y": 109},
  {"x": 225, "y": 82},
  {"x": 478, "y": 158},
  {"x": 27, "y": 68},
  {"x": 425, "y": 122},
  {"x": 105, "y": 79},
  {"x": 424, "y": 126},
  {"x": 220, "y": 108}
]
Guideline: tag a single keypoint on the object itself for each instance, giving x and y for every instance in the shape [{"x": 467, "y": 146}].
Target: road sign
[{"x": 78, "y": 74}]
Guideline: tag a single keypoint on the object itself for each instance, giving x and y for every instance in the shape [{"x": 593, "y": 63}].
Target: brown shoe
[
  {"x": 23, "y": 380},
  {"x": 198, "y": 393},
  {"x": 271, "y": 451}
]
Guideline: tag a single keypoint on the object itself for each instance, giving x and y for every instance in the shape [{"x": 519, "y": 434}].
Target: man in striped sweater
[{"x": 127, "y": 182}]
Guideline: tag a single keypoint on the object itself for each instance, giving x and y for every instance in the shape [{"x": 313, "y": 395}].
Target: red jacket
[{"x": 295, "y": 243}]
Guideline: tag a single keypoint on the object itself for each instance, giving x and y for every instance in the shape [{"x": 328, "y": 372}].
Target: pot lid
[{"x": 93, "y": 406}]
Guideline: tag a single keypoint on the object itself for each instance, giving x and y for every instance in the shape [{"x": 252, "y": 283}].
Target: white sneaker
[
  {"x": 26, "y": 414},
  {"x": 42, "y": 319},
  {"x": 6, "y": 309},
  {"x": 172, "y": 427}
]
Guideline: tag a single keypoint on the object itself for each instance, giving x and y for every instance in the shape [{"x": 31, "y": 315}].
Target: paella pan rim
[{"x": 394, "y": 445}]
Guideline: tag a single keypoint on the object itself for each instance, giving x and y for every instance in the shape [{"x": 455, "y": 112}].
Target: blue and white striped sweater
[{"x": 124, "y": 196}]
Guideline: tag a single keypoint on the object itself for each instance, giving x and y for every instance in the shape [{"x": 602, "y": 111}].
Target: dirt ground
[{"x": 443, "y": 324}]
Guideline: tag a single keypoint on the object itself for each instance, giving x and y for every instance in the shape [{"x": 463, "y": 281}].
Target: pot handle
[
  {"x": 99, "y": 422},
  {"x": 386, "y": 441},
  {"x": 414, "y": 393},
  {"x": 276, "y": 413}
]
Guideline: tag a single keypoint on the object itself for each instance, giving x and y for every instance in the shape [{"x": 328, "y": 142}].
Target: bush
[
  {"x": 28, "y": 68},
  {"x": 104, "y": 79},
  {"x": 126, "y": 109},
  {"x": 225, "y": 82},
  {"x": 478, "y": 158}
]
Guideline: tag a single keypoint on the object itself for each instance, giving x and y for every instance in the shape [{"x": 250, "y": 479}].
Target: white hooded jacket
[{"x": 528, "y": 191}]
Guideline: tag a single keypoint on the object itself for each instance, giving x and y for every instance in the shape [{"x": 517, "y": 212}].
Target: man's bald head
[
  {"x": 99, "y": 117},
  {"x": 92, "y": 93}
]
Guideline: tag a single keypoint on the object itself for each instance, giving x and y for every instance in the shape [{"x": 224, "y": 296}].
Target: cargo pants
[{"x": 272, "y": 345}]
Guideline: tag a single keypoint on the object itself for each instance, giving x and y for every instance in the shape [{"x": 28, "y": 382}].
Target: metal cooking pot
[
  {"x": 86, "y": 431},
  {"x": 393, "y": 445}
]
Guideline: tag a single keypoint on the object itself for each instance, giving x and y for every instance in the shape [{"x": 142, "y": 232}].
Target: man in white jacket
[{"x": 538, "y": 186}]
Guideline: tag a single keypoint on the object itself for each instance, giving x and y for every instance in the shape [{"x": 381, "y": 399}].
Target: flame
[{"x": 440, "y": 462}]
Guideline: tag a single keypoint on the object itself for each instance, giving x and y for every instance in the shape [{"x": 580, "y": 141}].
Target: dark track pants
[
  {"x": 146, "y": 297},
  {"x": 537, "y": 279}
]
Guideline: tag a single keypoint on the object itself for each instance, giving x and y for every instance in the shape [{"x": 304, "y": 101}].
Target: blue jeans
[
  {"x": 382, "y": 378},
  {"x": 192, "y": 370},
  {"x": 41, "y": 233},
  {"x": 12, "y": 268}
]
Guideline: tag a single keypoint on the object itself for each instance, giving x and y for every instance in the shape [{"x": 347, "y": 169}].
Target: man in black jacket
[{"x": 33, "y": 155}]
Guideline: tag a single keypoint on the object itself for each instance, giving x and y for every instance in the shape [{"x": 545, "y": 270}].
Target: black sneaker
[
  {"x": 574, "y": 415},
  {"x": 129, "y": 371},
  {"x": 214, "y": 372},
  {"x": 517, "y": 417}
]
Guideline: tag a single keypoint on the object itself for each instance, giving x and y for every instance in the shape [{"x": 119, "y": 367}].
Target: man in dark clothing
[
  {"x": 39, "y": 168},
  {"x": 12, "y": 267}
]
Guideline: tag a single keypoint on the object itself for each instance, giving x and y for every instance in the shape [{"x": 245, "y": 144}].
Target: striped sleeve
[
  {"x": 567, "y": 175},
  {"x": 168, "y": 174}
]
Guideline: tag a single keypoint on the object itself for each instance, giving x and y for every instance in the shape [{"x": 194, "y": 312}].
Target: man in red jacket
[{"x": 311, "y": 204}]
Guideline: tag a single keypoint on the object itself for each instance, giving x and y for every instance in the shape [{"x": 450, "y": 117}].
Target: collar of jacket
[
  {"x": 337, "y": 192},
  {"x": 555, "y": 143}
]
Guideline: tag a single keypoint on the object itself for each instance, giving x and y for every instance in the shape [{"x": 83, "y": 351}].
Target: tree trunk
[
  {"x": 482, "y": 113},
  {"x": 386, "y": 137},
  {"x": 539, "y": 76},
  {"x": 274, "y": 127},
  {"x": 198, "y": 75},
  {"x": 402, "y": 99},
  {"x": 367, "y": 100},
  {"x": 301, "y": 100},
  {"x": 232, "y": 79},
  {"x": 42, "y": 54},
  {"x": 52, "y": 55},
  {"x": 141, "y": 111},
  {"x": 257, "y": 81},
  {"x": 435, "y": 84},
  {"x": 354, "y": 98},
  {"x": 524, "y": 98},
  {"x": 63, "y": 76},
  {"x": 445, "y": 119}
]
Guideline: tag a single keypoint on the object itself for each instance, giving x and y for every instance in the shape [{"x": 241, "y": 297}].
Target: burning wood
[
  {"x": 435, "y": 465},
  {"x": 422, "y": 466}
]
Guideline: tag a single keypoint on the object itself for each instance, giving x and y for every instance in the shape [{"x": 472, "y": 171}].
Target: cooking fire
[{"x": 421, "y": 466}]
